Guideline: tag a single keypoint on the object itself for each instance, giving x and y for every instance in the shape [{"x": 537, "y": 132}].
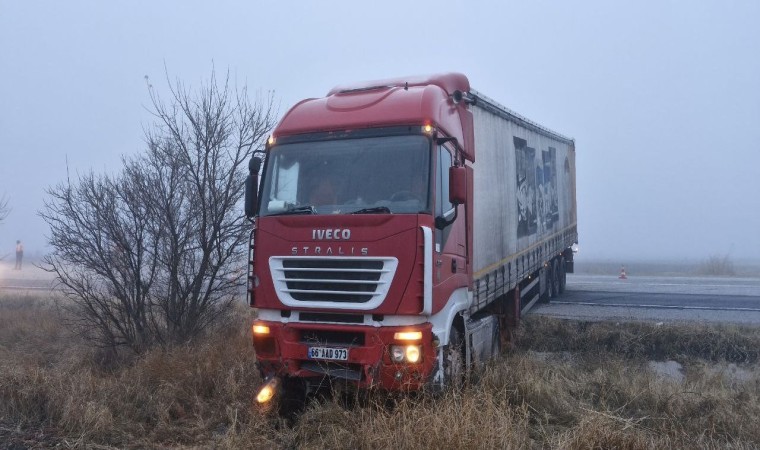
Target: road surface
[
  {"x": 735, "y": 300},
  {"x": 29, "y": 279}
]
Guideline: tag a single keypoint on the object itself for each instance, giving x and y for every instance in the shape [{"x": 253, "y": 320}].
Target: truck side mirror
[
  {"x": 252, "y": 186},
  {"x": 457, "y": 185}
]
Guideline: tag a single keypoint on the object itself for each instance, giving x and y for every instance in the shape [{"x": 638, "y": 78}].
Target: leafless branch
[{"x": 154, "y": 255}]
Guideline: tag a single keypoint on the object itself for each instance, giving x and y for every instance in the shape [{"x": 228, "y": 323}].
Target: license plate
[{"x": 335, "y": 354}]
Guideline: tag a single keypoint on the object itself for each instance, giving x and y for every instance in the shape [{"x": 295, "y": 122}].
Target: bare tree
[{"x": 154, "y": 255}]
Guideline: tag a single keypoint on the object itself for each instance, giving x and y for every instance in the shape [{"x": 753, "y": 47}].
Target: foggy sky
[{"x": 662, "y": 98}]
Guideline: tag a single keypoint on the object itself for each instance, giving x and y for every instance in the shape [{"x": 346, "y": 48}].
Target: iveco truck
[{"x": 401, "y": 227}]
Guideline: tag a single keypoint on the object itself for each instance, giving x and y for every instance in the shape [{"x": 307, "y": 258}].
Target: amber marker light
[
  {"x": 271, "y": 139},
  {"x": 427, "y": 128},
  {"x": 408, "y": 335},
  {"x": 260, "y": 330}
]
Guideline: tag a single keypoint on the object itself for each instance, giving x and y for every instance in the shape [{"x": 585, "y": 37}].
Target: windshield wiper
[
  {"x": 307, "y": 209},
  {"x": 374, "y": 210}
]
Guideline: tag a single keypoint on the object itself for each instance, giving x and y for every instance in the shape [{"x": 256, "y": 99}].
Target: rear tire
[
  {"x": 548, "y": 293},
  {"x": 562, "y": 276},
  {"x": 555, "y": 279}
]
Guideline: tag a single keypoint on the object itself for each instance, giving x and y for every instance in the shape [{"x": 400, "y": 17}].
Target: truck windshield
[{"x": 376, "y": 175}]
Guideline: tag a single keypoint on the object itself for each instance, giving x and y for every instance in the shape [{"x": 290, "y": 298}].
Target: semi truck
[{"x": 401, "y": 228}]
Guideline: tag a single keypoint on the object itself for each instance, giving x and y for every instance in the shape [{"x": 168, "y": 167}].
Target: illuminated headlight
[
  {"x": 408, "y": 353},
  {"x": 413, "y": 353},
  {"x": 268, "y": 391}
]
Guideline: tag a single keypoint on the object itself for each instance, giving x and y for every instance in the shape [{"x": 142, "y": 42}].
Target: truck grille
[{"x": 342, "y": 282}]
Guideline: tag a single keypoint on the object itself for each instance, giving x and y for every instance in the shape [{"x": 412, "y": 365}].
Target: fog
[{"x": 662, "y": 98}]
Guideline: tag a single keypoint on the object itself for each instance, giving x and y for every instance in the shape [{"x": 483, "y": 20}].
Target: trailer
[{"x": 401, "y": 228}]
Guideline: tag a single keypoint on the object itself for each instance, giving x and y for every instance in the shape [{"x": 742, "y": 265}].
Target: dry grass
[{"x": 589, "y": 387}]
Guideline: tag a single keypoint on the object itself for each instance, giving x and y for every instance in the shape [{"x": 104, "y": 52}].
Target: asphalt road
[
  {"x": 29, "y": 279},
  {"x": 735, "y": 300}
]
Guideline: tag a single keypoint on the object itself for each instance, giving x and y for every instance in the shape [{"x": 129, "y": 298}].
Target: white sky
[{"x": 662, "y": 97}]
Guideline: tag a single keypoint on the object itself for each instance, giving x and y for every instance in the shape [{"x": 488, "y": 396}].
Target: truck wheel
[
  {"x": 555, "y": 279},
  {"x": 453, "y": 360},
  {"x": 562, "y": 276},
  {"x": 293, "y": 398},
  {"x": 548, "y": 293}
]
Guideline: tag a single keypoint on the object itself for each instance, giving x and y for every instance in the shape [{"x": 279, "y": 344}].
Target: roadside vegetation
[
  {"x": 717, "y": 265},
  {"x": 565, "y": 385}
]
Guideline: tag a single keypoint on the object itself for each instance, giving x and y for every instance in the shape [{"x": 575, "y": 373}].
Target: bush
[{"x": 717, "y": 265}]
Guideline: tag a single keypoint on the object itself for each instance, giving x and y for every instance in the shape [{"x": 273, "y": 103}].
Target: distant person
[{"x": 19, "y": 254}]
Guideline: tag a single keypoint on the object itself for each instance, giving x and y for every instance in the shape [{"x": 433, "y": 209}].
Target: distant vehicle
[{"x": 401, "y": 229}]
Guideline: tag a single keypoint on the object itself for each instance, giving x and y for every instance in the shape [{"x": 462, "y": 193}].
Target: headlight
[
  {"x": 408, "y": 353},
  {"x": 413, "y": 353},
  {"x": 397, "y": 353}
]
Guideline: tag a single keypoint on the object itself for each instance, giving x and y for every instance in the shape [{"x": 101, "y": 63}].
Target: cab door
[{"x": 449, "y": 255}]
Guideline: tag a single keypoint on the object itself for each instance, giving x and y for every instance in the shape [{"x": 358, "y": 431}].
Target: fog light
[
  {"x": 397, "y": 353},
  {"x": 413, "y": 353},
  {"x": 268, "y": 391}
]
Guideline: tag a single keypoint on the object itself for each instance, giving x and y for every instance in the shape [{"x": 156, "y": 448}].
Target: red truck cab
[{"x": 361, "y": 261}]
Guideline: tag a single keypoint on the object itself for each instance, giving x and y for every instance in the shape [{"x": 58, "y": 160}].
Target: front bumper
[{"x": 283, "y": 351}]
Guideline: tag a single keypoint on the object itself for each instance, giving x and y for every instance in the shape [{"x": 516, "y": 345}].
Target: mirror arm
[{"x": 441, "y": 222}]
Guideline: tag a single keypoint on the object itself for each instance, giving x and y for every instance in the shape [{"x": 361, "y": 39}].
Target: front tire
[{"x": 453, "y": 360}]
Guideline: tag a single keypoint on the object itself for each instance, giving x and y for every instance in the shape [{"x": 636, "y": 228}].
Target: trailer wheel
[
  {"x": 555, "y": 279},
  {"x": 562, "y": 275},
  {"x": 548, "y": 292},
  {"x": 453, "y": 360}
]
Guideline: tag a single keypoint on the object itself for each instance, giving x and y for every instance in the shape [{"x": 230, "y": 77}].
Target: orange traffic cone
[{"x": 623, "y": 276}]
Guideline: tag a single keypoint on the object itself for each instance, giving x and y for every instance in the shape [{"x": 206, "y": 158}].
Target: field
[{"x": 565, "y": 385}]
